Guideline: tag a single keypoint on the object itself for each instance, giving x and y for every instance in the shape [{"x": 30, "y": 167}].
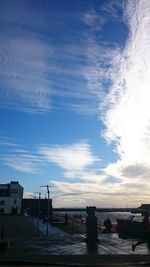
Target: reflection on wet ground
[
  {"x": 59, "y": 242},
  {"x": 108, "y": 244}
]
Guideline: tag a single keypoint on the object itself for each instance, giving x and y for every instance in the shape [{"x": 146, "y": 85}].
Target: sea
[{"x": 102, "y": 216}]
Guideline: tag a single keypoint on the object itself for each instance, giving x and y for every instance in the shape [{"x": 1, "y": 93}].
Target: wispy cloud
[
  {"x": 74, "y": 158},
  {"x": 20, "y": 164},
  {"x": 124, "y": 100},
  {"x": 103, "y": 54},
  {"x": 69, "y": 157},
  {"x": 7, "y": 142},
  {"x": 22, "y": 161},
  {"x": 16, "y": 157},
  {"x": 125, "y": 194},
  {"x": 47, "y": 62},
  {"x": 38, "y": 57},
  {"x": 86, "y": 175},
  {"x": 114, "y": 76}
]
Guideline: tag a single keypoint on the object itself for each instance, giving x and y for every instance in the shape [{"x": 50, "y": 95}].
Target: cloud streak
[
  {"x": 53, "y": 58},
  {"x": 69, "y": 157},
  {"x": 99, "y": 194},
  {"x": 19, "y": 159},
  {"x": 38, "y": 58},
  {"x": 74, "y": 158}
]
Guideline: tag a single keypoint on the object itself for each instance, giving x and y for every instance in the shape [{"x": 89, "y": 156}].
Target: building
[
  {"x": 37, "y": 207},
  {"x": 11, "y": 195}
]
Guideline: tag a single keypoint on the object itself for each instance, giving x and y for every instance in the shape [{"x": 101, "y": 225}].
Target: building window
[
  {"x": 2, "y": 203},
  {"x": 15, "y": 201}
]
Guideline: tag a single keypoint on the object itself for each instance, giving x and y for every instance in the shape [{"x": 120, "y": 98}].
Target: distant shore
[{"x": 134, "y": 210}]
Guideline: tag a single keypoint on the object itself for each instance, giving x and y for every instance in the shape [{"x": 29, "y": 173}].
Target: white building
[{"x": 10, "y": 198}]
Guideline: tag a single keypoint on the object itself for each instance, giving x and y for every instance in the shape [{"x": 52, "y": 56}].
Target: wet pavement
[
  {"x": 58, "y": 246},
  {"x": 59, "y": 242},
  {"x": 52, "y": 230},
  {"x": 108, "y": 244}
]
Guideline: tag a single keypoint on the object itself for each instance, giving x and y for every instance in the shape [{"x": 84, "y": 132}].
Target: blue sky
[{"x": 74, "y": 99}]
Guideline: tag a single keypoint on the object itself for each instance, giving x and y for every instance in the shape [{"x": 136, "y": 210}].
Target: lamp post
[
  {"x": 48, "y": 197},
  {"x": 38, "y": 207}
]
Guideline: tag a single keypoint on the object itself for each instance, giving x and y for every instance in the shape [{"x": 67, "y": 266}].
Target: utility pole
[
  {"x": 38, "y": 207},
  {"x": 48, "y": 197}
]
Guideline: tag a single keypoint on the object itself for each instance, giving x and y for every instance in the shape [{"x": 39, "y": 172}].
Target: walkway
[
  {"x": 59, "y": 246},
  {"x": 59, "y": 242}
]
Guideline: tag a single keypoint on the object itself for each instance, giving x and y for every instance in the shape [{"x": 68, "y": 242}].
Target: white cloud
[
  {"x": 128, "y": 116},
  {"x": 102, "y": 195},
  {"x": 125, "y": 108},
  {"x": 21, "y": 163},
  {"x": 17, "y": 158},
  {"x": 86, "y": 176},
  {"x": 74, "y": 159},
  {"x": 69, "y": 157},
  {"x": 84, "y": 188},
  {"x": 27, "y": 194}
]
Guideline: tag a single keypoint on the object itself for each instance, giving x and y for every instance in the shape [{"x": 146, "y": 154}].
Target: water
[{"x": 103, "y": 215}]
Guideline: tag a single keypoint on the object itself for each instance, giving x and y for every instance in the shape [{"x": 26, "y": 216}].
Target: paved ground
[
  {"x": 61, "y": 243},
  {"x": 18, "y": 226},
  {"x": 28, "y": 242}
]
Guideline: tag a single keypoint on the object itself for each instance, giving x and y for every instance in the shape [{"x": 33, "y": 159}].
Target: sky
[{"x": 75, "y": 100}]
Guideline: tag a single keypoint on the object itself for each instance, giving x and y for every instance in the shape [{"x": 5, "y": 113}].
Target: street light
[
  {"x": 48, "y": 194},
  {"x": 38, "y": 207}
]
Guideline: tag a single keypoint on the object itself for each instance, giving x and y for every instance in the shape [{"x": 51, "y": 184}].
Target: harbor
[
  {"x": 35, "y": 233},
  {"x": 29, "y": 243}
]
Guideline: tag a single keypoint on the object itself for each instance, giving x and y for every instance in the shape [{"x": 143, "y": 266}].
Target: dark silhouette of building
[
  {"x": 36, "y": 207},
  {"x": 144, "y": 207},
  {"x": 10, "y": 198}
]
